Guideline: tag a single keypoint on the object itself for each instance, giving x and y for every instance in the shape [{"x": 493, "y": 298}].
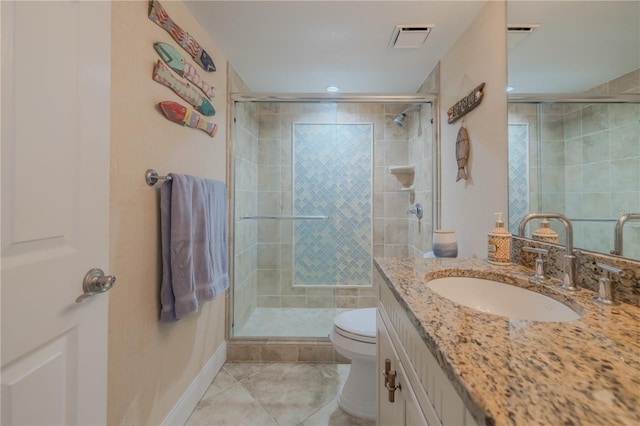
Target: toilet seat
[{"x": 358, "y": 325}]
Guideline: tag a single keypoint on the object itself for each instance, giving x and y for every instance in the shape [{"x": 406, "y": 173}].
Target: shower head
[
  {"x": 399, "y": 120},
  {"x": 402, "y": 118}
]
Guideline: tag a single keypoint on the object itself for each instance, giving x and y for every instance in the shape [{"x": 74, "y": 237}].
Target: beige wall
[
  {"x": 151, "y": 364},
  {"x": 479, "y": 55}
]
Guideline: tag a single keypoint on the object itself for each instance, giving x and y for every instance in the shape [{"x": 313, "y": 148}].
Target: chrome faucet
[
  {"x": 539, "y": 275},
  {"x": 569, "y": 260},
  {"x": 617, "y": 246},
  {"x": 606, "y": 294}
]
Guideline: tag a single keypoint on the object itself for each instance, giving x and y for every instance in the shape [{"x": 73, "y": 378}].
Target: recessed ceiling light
[{"x": 333, "y": 89}]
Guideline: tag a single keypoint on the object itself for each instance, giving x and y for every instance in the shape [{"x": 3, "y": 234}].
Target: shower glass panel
[
  {"x": 303, "y": 238},
  {"x": 313, "y": 201},
  {"x": 581, "y": 160}
]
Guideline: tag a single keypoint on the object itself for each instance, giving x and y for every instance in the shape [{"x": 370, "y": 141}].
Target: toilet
[{"x": 354, "y": 337}]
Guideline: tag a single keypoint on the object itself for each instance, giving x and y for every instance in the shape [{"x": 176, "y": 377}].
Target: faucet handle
[
  {"x": 540, "y": 251},
  {"x": 608, "y": 268},
  {"x": 539, "y": 275},
  {"x": 605, "y": 285}
]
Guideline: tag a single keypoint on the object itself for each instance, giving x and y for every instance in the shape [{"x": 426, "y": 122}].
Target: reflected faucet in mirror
[
  {"x": 569, "y": 259},
  {"x": 617, "y": 245}
]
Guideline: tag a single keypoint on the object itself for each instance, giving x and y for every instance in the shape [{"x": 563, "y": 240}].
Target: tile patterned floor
[{"x": 257, "y": 394}]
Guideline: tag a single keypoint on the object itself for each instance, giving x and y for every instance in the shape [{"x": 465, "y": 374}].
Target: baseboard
[{"x": 196, "y": 390}]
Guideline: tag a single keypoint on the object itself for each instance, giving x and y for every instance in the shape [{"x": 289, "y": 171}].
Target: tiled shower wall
[
  {"x": 518, "y": 174},
  {"x": 245, "y": 153},
  {"x": 589, "y": 163},
  {"x": 420, "y": 155}
]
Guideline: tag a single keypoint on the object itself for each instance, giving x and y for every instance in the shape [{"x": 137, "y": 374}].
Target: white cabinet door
[
  {"x": 404, "y": 410},
  {"x": 55, "y": 210},
  {"x": 389, "y": 413},
  {"x": 412, "y": 410}
]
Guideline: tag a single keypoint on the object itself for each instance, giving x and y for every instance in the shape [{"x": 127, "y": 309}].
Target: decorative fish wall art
[
  {"x": 180, "y": 66},
  {"x": 160, "y": 16},
  {"x": 466, "y": 104},
  {"x": 162, "y": 74},
  {"x": 462, "y": 153},
  {"x": 180, "y": 114}
]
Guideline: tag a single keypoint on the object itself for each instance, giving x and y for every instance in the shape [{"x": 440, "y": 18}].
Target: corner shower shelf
[
  {"x": 405, "y": 175},
  {"x": 402, "y": 170}
]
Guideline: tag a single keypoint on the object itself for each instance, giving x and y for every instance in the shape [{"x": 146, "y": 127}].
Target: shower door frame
[{"x": 239, "y": 97}]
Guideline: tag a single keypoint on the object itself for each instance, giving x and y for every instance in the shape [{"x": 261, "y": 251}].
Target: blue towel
[{"x": 193, "y": 215}]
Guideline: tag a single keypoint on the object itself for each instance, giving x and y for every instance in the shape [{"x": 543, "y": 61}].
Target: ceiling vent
[
  {"x": 517, "y": 33},
  {"x": 406, "y": 36}
]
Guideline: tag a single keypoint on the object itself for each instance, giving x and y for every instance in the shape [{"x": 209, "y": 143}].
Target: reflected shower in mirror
[
  {"x": 574, "y": 117},
  {"x": 581, "y": 160}
]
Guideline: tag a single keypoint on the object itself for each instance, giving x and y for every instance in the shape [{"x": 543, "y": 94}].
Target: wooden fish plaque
[
  {"x": 160, "y": 16},
  {"x": 180, "y": 114},
  {"x": 162, "y": 74},
  {"x": 180, "y": 66},
  {"x": 466, "y": 104}
]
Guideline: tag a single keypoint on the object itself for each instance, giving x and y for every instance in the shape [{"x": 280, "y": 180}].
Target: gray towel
[{"x": 193, "y": 217}]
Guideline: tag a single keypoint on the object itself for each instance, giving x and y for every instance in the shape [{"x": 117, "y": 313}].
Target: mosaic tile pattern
[
  {"x": 332, "y": 177},
  {"x": 518, "y": 174}
]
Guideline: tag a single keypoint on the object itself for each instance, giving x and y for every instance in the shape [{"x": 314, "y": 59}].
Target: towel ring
[{"x": 152, "y": 177}]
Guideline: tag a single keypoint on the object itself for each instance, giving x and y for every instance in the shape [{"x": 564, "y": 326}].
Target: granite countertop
[{"x": 523, "y": 372}]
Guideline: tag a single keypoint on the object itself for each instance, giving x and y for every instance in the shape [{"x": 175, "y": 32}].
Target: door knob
[{"x": 95, "y": 282}]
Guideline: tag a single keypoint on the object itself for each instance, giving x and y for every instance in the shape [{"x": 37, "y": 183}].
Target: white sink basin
[{"x": 502, "y": 299}]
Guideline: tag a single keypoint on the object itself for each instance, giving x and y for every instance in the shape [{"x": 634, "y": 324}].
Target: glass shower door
[{"x": 303, "y": 226}]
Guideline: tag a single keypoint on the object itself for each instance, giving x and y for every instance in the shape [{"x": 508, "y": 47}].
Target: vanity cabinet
[
  {"x": 397, "y": 403},
  {"x": 424, "y": 395}
]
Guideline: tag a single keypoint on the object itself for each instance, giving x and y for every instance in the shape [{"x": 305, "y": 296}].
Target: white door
[{"x": 55, "y": 206}]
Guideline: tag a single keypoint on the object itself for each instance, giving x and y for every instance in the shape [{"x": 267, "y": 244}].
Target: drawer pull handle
[
  {"x": 391, "y": 385},
  {"x": 385, "y": 372}
]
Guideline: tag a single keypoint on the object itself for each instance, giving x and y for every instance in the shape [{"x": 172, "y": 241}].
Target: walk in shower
[
  {"x": 580, "y": 157},
  {"x": 313, "y": 202}
]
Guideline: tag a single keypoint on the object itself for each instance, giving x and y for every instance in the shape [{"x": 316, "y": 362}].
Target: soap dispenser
[
  {"x": 499, "y": 247},
  {"x": 545, "y": 233}
]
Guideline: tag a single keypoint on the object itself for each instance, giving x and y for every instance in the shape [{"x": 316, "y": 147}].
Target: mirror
[{"x": 574, "y": 117}]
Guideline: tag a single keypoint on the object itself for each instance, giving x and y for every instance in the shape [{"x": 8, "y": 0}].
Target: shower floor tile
[
  {"x": 279, "y": 394},
  {"x": 289, "y": 322}
]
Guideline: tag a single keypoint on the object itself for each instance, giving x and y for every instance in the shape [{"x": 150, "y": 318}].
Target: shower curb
[{"x": 274, "y": 350}]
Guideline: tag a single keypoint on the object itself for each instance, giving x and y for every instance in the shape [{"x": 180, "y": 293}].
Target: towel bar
[
  {"x": 152, "y": 177},
  {"x": 286, "y": 217}
]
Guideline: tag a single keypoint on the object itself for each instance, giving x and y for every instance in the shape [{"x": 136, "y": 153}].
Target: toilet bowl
[{"x": 354, "y": 337}]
